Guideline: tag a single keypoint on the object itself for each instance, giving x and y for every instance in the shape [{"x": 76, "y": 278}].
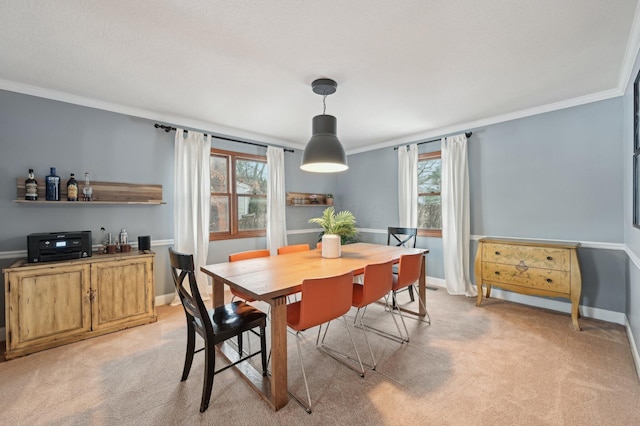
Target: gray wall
[
  {"x": 556, "y": 175},
  {"x": 631, "y": 234},
  {"x": 40, "y": 133}
]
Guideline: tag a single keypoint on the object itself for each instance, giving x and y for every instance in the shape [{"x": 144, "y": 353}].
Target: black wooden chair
[
  {"x": 405, "y": 237},
  {"x": 213, "y": 325}
]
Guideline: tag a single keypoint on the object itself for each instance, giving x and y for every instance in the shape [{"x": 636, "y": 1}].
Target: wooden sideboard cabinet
[
  {"x": 52, "y": 304},
  {"x": 539, "y": 268}
]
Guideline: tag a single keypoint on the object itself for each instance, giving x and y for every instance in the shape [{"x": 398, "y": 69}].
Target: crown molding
[
  {"x": 174, "y": 120},
  {"x": 465, "y": 127},
  {"x": 631, "y": 52}
]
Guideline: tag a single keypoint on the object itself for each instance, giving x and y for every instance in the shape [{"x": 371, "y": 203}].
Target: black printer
[{"x": 55, "y": 246}]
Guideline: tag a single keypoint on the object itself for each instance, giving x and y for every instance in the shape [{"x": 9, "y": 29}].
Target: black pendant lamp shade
[{"x": 324, "y": 152}]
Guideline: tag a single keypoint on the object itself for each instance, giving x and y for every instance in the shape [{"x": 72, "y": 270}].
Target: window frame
[
  {"x": 424, "y": 232},
  {"x": 234, "y": 232}
]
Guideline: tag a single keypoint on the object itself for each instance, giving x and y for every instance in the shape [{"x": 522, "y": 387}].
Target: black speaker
[{"x": 144, "y": 242}]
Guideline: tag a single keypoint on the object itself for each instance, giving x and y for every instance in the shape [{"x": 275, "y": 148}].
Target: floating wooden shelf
[
  {"x": 308, "y": 199},
  {"x": 103, "y": 193}
]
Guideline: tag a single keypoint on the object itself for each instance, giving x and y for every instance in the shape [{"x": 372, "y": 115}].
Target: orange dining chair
[
  {"x": 215, "y": 326},
  {"x": 319, "y": 246},
  {"x": 323, "y": 300},
  {"x": 293, "y": 248},
  {"x": 409, "y": 269},
  {"x": 243, "y": 255},
  {"x": 405, "y": 237},
  {"x": 377, "y": 281}
]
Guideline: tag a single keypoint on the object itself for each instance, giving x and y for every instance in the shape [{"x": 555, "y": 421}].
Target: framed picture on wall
[
  {"x": 636, "y": 114},
  {"x": 636, "y": 151},
  {"x": 636, "y": 188}
]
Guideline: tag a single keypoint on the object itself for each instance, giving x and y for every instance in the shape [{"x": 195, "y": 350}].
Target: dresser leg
[
  {"x": 574, "y": 316},
  {"x": 479, "y": 300}
]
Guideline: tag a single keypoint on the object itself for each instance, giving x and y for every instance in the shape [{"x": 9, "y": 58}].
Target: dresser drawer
[
  {"x": 542, "y": 279},
  {"x": 528, "y": 256}
]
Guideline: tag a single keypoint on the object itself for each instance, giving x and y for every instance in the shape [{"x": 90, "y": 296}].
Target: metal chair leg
[
  {"x": 333, "y": 353},
  {"x": 383, "y": 333},
  {"x": 304, "y": 376}
]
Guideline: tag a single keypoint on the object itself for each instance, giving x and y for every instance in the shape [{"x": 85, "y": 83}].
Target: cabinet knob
[
  {"x": 497, "y": 273},
  {"x": 549, "y": 258},
  {"x": 497, "y": 253},
  {"x": 549, "y": 280}
]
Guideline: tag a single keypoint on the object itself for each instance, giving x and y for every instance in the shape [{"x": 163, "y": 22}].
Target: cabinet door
[
  {"x": 124, "y": 292},
  {"x": 48, "y": 305}
]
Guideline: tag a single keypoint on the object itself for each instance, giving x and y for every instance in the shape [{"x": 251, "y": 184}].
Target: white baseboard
[
  {"x": 634, "y": 347},
  {"x": 560, "y": 306},
  {"x": 165, "y": 299}
]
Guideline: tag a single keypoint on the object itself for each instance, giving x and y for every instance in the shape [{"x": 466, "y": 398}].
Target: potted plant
[
  {"x": 329, "y": 199},
  {"x": 336, "y": 227}
]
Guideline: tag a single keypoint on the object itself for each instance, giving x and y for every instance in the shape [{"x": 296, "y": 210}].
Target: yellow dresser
[{"x": 539, "y": 268}]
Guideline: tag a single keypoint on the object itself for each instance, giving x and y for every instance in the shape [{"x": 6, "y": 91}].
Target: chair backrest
[
  {"x": 409, "y": 269},
  {"x": 293, "y": 248},
  {"x": 402, "y": 236},
  {"x": 249, "y": 254},
  {"x": 378, "y": 279},
  {"x": 182, "y": 267},
  {"x": 325, "y": 299}
]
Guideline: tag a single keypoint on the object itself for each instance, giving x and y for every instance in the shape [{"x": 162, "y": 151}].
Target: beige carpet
[{"x": 500, "y": 364}]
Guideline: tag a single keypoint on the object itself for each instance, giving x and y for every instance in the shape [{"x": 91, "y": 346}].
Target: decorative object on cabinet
[
  {"x": 308, "y": 199},
  {"x": 540, "y": 268},
  {"x": 336, "y": 227},
  {"x": 102, "y": 193},
  {"x": 48, "y": 305}
]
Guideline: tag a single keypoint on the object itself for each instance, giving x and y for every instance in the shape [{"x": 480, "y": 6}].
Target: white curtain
[
  {"x": 191, "y": 201},
  {"x": 276, "y": 200},
  {"x": 455, "y": 215},
  {"x": 408, "y": 186}
]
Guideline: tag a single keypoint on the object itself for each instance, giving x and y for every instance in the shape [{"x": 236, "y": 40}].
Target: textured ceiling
[{"x": 405, "y": 69}]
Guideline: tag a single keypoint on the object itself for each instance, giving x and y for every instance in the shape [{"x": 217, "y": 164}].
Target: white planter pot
[{"x": 331, "y": 246}]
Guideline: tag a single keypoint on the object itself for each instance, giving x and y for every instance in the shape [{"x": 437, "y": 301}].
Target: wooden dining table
[{"x": 271, "y": 279}]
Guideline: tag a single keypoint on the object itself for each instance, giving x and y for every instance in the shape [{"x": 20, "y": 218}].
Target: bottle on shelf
[
  {"x": 87, "y": 190},
  {"x": 52, "y": 182},
  {"x": 72, "y": 188},
  {"x": 31, "y": 187},
  {"x": 123, "y": 236}
]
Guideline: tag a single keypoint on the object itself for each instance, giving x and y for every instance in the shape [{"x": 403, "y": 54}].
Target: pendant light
[{"x": 324, "y": 152}]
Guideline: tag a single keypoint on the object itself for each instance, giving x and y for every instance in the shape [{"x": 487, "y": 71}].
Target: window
[
  {"x": 238, "y": 195},
  {"x": 429, "y": 201}
]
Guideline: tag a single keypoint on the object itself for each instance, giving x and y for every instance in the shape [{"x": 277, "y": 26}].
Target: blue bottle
[{"x": 52, "y": 183}]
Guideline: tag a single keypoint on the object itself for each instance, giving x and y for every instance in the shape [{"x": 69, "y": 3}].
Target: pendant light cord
[{"x": 324, "y": 104}]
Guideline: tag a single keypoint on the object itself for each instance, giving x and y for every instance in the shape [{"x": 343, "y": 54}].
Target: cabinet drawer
[
  {"x": 527, "y": 256},
  {"x": 543, "y": 279}
]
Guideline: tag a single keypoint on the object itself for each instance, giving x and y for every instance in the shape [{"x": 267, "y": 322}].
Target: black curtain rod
[
  {"x": 467, "y": 134},
  {"x": 169, "y": 129}
]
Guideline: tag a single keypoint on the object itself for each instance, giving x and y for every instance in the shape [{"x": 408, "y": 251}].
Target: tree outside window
[
  {"x": 238, "y": 195},
  {"x": 429, "y": 199}
]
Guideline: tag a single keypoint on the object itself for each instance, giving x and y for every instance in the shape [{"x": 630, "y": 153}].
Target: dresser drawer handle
[
  {"x": 497, "y": 253},
  {"x": 497, "y": 272},
  {"x": 549, "y": 280},
  {"x": 549, "y": 258}
]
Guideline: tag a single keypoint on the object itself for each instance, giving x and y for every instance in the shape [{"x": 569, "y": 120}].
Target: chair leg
[
  {"x": 188, "y": 358},
  {"x": 263, "y": 349},
  {"x": 393, "y": 295},
  {"x": 366, "y": 339},
  {"x": 304, "y": 376},
  {"x": 333, "y": 352},
  {"x": 428, "y": 320},
  {"x": 411, "y": 296},
  {"x": 383, "y": 333},
  {"x": 209, "y": 371},
  {"x": 240, "y": 341}
]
